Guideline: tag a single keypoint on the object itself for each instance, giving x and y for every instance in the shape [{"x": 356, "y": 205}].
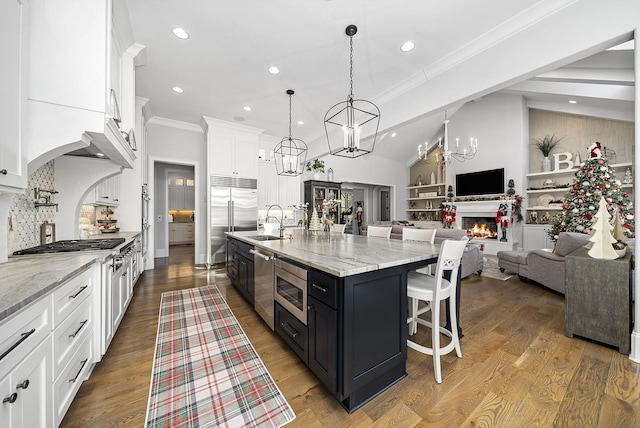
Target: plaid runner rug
[{"x": 206, "y": 373}]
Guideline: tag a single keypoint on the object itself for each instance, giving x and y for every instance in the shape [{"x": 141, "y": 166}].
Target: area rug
[
  {"x": 205, "y": 372},
  {"x": 491, "y": 269}
]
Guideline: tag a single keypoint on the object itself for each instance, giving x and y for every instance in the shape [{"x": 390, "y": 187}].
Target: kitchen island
[{"x": 355, "y": 336}]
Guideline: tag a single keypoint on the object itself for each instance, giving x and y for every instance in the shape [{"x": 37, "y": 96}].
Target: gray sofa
[
  {"x": 472, "y": 259},
  {"x": 544, "y": 266}
]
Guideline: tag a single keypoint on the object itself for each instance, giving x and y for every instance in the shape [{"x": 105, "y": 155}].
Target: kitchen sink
[{"x": 265, "y": 238}]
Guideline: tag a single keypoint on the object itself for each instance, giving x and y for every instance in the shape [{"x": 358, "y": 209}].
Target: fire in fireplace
[{"x": 480, "y": 227}]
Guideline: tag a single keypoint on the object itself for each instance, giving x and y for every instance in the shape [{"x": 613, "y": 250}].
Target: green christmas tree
[{"x": 593, "y": 180}]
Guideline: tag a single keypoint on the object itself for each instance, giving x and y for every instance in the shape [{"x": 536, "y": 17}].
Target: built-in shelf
[
  {"x": 573, "y": 170},
  {"x": 426, "y": 185}
]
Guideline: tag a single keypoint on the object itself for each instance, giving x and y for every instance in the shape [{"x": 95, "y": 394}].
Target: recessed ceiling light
[
  {"x": 300, "y": 122},
  {"x": 180, "y": 33},
  {"x": 407, "y": 46},
  {"x": 177, "y": 89},
  {"x": 393, "y": 134},
  {"x": 274, "y": 70},
  {"x": 573, "y": 102},
  {"x": 247, "y": 108}
]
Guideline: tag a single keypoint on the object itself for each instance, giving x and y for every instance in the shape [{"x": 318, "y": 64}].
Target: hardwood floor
[{"x": 518, "y": 369}]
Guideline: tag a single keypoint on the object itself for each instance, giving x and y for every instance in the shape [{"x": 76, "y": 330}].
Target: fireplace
[{"x": 480, "y": 227}]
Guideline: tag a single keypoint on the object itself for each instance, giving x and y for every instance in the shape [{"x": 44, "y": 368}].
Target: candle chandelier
[
  {"x": 466, "y": 153},
  {"x": 353, "y": 117},
  {"x": 290, "y": 153},
  {"x": 424, "y": 156}
]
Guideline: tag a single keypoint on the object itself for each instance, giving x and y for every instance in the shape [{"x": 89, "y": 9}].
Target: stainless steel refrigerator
[{"x": 233, "y": 207}]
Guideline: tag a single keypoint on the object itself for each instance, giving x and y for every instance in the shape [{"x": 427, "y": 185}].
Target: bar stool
[{"x": 434, "y": 289}]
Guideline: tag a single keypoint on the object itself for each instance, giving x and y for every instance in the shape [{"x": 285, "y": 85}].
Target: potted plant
[
  {"x": 545, "y": 145},
  {"x": 317, "y": 166}
]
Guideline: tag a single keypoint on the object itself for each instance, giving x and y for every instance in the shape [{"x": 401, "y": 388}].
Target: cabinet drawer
[
  {"x": 324, "y": 288},
  {"x": 22, "y": 332},
  {"x": 70, "y": 295},
  {"x": 67, "y": 384},
  {"x": 244, "y": 249},
  {"x": 69, "y": 334},
  {"x": 293, "y": 332}
]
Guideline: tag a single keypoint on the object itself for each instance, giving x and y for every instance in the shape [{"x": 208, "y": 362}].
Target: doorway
[
  {"x": 385, "y": 206},
  {"x": 174, "y": 209}
]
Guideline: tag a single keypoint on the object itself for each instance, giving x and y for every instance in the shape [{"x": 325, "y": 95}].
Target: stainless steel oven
[{"x": 290, "y": 288}]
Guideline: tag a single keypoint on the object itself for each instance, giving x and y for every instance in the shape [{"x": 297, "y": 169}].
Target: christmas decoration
[
  {"x": 511, "y": 191},
  {"x": 315, "y": 225},
  {"x": 448, "y": 215},
  {"x": 593, "y": 181},
  {"x": 601, "y": 237},
  {"x": 618, "y": 230}
]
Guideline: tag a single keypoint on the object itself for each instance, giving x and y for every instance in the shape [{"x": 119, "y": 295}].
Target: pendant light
[
  {"x": 354, "y": 118},
  {"x": 290, "y": 153}
]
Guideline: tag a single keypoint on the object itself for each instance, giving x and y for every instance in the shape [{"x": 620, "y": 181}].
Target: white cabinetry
[
  {"x": 232, "y": 149},
  {"x": 74, "y": 66},
  {"x": 25, "y": 372},
  {"x": 73, "y": 334},
  {"x": 276, "y": 189},
  {"x": 181, "y": 192},
  {"x": 108, "y": 192},
  {"x": 535, "y": 236},
  {"x": 13, "y": 95},
  {"x": 181, "y": 233}
]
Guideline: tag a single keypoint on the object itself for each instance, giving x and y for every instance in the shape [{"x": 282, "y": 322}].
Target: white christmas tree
[
  {"x": 315, "y": 224},
  {"x": 618, "y": 229},
  {"x": 601, "y": 238}
]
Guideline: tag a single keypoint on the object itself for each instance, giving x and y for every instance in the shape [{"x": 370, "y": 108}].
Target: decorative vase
[
  {"x": 504, "y": 235},
  {"x": 546, "y": 164},
  {"x": 433, "y": 178},
  {"x": 316, "y": 176}
]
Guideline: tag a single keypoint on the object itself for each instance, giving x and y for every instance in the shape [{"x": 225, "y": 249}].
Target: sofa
[
  {"x": 546, "y": 267},
  {"x": 472, "y": 259}
]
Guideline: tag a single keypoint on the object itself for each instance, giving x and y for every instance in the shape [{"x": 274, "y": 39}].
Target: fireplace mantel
[{"x": 485, "y": 209}]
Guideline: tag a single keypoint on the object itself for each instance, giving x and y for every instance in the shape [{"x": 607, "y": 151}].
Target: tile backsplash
[{"x": 25, "y": 218}]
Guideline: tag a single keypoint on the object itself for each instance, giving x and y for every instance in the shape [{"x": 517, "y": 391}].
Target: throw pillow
[{"x": 568, "y": 242}]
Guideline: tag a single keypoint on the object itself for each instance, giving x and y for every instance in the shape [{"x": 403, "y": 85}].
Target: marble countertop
[
  {"x": 27, "y": 278},
  {"x": 343, "y": 254}
]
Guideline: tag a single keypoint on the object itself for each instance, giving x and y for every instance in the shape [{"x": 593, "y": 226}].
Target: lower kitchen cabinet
[
  {"x": 355, "y": 337},
  {"x": 26, "y": 391},
  {"x": 323, "y": 342},
  {"x": 240, "y": 268},
  {"x": 181, "y": 233}
]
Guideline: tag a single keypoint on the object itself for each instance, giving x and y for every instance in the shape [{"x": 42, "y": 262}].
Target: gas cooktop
[{"x": 72, "y": 245}]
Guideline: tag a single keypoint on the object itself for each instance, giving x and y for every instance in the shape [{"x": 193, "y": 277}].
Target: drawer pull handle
[
  {"x": 288, "y": 330},
  {"x": 10, "y": 399},
  {"x": 324, "y": 290},
  {"x": 23, "y": 385},
  {"x": 71, "y": 336},
  {"x": 15, "y": 345},
  {"x": 79, "y": 371},
  {"x": 84, "y": 287},
  {"x": 4, "y": 172}
]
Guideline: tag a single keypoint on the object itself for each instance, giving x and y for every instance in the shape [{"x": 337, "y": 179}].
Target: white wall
[
  {"x": 500, "y": 123},
  {"x": 183, "y": 144}
]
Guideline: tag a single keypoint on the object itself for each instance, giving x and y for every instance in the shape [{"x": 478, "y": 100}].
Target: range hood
[{"x": 56, "y": 130}]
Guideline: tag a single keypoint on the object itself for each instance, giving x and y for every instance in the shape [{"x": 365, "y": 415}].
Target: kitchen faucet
[{"x": 279, "y": 221}]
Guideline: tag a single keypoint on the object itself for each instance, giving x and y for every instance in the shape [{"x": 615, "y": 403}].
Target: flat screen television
[{"x": 489, "y": 182}]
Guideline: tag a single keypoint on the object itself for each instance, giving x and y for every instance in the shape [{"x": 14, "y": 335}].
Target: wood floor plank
[{"x": 518, "y": 369}]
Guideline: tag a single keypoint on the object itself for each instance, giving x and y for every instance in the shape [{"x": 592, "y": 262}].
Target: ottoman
[{"x": 513, "y": 261}]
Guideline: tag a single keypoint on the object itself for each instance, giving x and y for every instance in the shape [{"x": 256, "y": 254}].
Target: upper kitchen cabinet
[
  {"x": 232, "y": 149},
  {"x": 13, "y": 95},
  {"x": 81, "y": 85},
  {"x": 181, "y": 191}
]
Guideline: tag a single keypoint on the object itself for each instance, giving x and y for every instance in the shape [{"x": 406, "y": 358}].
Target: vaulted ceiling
[{"x": 223, "y": 65}]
